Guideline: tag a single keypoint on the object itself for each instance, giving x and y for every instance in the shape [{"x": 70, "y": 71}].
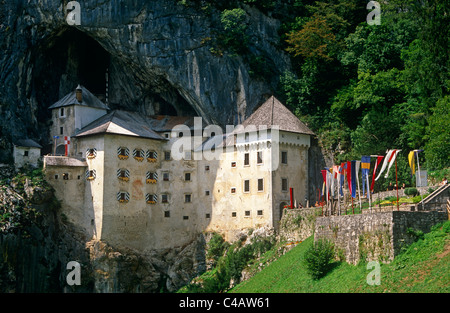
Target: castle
[{"x": 120, "y": 177}]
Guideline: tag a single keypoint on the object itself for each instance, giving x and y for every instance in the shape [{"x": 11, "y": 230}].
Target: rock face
[
  {"x": 37, "y": 243},
  {"x": 160, "y": 57}
]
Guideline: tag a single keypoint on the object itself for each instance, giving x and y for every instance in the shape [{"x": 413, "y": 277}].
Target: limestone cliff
[
  {"x": 161, "y": 56},
  {"x": 37, "y": 243}
]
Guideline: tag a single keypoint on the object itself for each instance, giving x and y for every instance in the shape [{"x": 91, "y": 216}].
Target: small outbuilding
[{"x": 26, "y": 151}]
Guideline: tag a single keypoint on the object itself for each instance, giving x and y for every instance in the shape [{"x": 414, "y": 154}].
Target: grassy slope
[{"x": 423, "y": 267}]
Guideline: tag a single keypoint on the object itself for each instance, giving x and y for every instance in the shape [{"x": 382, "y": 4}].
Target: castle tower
[{"x": 71, "y": 113}]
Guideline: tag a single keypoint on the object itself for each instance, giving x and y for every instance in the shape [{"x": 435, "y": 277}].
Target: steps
[{"x": 437, "y": 200}]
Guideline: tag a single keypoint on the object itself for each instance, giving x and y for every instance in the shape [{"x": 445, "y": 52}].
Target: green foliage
[
  {"x": 234, "y": 25},
  {"x": 411, "y": 191},
  {"x": 438, "y": 146},
  {"x": 424, "y": 256},
  {"x": 319, "y": 258},
  {"x": 216, "y": 247}
]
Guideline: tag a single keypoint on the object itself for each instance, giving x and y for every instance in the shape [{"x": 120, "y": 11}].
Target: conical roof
[{"x": 273, "y": 112}]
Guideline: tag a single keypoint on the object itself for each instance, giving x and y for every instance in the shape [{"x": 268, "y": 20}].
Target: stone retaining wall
[{"x": 377, "y": 236}]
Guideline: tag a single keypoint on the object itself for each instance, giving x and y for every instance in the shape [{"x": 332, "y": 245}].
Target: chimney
[{"x": 79, "y": 94}]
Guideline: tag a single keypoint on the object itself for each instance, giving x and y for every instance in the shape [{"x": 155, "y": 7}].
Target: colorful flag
[
  {"x": 353, "y": 178},
  {"x": 365, "y": 166},
  {"x": 386, "y": 162},
  {"x": 341, "y": 183},
  {"x": 411, "y": 160},
  {"x": 379, "y": 158},
  {"x": 349, "y": 175},
  {"x": 66, "y": 145},
  {"x": 391, "y": 161}
]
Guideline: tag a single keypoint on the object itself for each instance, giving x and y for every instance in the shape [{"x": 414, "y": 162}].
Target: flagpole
[
  {"x": 338, "y": 195},
  {"x": 368, "y": 193},
  {"x": 396, "y": 182},
  {"x": 420, "y": 181}
]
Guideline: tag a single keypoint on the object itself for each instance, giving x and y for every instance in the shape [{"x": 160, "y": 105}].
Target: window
[
  {"x": 152, "y": 156},
  {"x": 166, "y": 135},
  {"x": 284, "y": 157},
  {"x": 66, "y": 176},
  {"x": 187, "y": 176},
  {"x": 233, "y": 214},
  {"x": 233, "y": 190},
  {"x": 151, "y": 178},
  {"x": 185, "y": 217},
  {"x": 259, "y": 212},
  {"x": 25, "y": 153},
  {"x": 123, "y": 153},
  {"x": 260, "y": 184},
  {"x": 165, "y": 198},
  {"x": 61, "y": 130},
  {"x": 151, "y": 198},
  {"x": 167, "y": 155},
  {"x": 56, "y": 176},
  {"x": 246, "y": 185},
  {"x": 90, "y": 174},
  {"x": 91, "y": 153},
  {"x": 233, "y": 164},
  {"x": 259, "y": 157},
  {"x": 206, "y": 167},
  {"x": 166, "y": 213},
  {"x": 206, "y": 192},
  {"x": 284, "y": 184},
  {"x": 79, "y": 177},
  {"x": 138, "y": 155},
  {"x": 208, "y": 215},
  {"x": 61, "y": 112},
  {"x": 165, "y": 176},
  {"x": 187, "y": 198},
  {"x": 123, "y": 196},
  {"x": 246, "y": 159},
  {"x": 123, "y": 174},
  {"x": 247, "y": 213}
]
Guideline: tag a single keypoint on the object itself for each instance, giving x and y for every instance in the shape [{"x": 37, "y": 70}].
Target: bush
[
  {"x": 411, "y": 191},
  {"x": 319, "y": 258},
  {"x": 216, "y": 247}
]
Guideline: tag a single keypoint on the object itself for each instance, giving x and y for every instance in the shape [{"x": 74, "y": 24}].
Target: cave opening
[{"x": 70, "y": 57}]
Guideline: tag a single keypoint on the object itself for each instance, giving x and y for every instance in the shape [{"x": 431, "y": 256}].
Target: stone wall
[
  {"x": 297, "y": 224},
  {"x": 377, "y": 236}
]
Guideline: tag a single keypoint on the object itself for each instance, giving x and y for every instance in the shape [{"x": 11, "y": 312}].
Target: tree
[
  {"x": 438, "y": 145},
  {"x": 315, "y": 40}
]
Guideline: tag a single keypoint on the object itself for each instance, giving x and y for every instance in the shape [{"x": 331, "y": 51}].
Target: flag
[
  {"x": 66, "y": 144},
  {"x": 391, "y": 161},
  {"x": 353, "y": 175},
  {"x": 341, "y": 183},
  {"x": 388, "y": 160},
  {"x": 379, "y": 158},
  {"x": 349, "y": 175},
  {"x": 324, "y": 176},
  {"x": 411, "y": 157},
  {"x": 365, "y": 166}
]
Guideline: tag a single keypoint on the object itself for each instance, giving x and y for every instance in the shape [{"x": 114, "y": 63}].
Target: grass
[{"x": 422, "y": 267}]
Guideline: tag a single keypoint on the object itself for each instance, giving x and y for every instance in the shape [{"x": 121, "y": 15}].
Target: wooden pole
[
  {"x": 396, "y": 183},
  {"x": 420, "y": 181}
]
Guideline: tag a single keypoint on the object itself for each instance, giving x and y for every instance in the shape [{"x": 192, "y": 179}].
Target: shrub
[
  {"x": 319, "y": 258},
  {"x": 411, "y": 191},
  {"x": 216, "y": 247}
]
